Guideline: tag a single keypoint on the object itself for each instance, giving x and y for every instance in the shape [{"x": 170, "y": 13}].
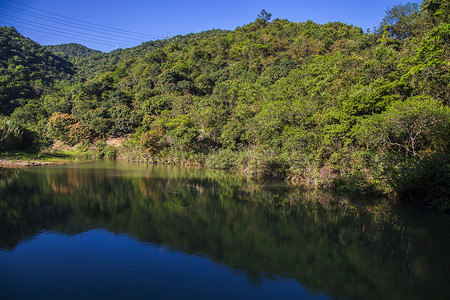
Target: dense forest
[{"x": 327, "y": 105}]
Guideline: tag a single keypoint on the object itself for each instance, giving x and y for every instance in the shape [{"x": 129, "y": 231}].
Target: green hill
[
  {"x": 71, "y": 50},
  {"x": 26, "y": 70},
  {"x": 328, "y": 105}
]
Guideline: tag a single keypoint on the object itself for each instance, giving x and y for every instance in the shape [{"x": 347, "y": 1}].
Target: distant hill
[
  {"x": 26, "y": 69},
  {"x": 71, "y": 50},
  {"x": 91, "y": 66}
]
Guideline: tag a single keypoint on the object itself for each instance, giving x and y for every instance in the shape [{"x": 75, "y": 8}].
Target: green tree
[
  {"x": 399, "y": 20},
  {"x": 430, "y": 72},
  {"x": 415, "y": 127},
  {"x": 438, "y": 9},
  {"x": 264, "y": 16}
]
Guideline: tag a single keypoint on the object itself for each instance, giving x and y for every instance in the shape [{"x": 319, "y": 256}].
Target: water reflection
[{"x": 336, "y": 245}]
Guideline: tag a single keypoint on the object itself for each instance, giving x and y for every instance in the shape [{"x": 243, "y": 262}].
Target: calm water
[{"x": 116, "y": 230}]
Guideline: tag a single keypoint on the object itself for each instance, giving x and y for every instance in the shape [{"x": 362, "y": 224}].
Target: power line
[
  {"x": 68, "y": 31},
  {"x": 64, "y": 24},
  {"x": 62, "y": 33},
  {"x": 86, "y": 40},
  {"x": 74, "y": 30},
  {"x": 92, "y": 24}
]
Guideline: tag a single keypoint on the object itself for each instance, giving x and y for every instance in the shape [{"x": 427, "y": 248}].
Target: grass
[{"x": 56, "y": 156}]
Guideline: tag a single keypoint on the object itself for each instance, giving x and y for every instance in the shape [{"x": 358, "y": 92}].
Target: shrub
[
  {"x": 58, "y": 126},
  {"x": 110, "y": 152},
  {"x": 13, "y": 136},
  {"x": 225, "y": 159},
  {"x": 425, "y": 181},
  {"x": 79, "y": 133},
  {"x": 106, "y": 151},
  {"x": 183, "y": 134},
  {"x": 258, "y": 162},
  {"x": 67, "y": 128},
  {"x": 416, "y": 127},
  {"x": 150, "y": 140}
]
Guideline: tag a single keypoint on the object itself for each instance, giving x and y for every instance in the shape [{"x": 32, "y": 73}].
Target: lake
[{"x": 120, "y": 230}]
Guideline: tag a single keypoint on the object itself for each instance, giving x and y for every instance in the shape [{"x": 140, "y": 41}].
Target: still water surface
[{"x": 118, "y": 230}]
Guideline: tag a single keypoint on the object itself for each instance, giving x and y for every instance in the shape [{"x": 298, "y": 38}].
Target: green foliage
[
  {"x": 263, "y": 163},
  {"x": 304, "y": 101},
  {"x": 415, "y": 127},
  {"x": 430, "y": 72},
  {"x": 399, "y": 20},
  {"x": 265, "y": 16},
  {"x": 224, "y": 159},
  {"x": 102, "y": 150},
  {"x": 425, "y": 181},
  {"x": 67, "y": 128},
  {"x": 182, "y": 134},
  {"x": 26, "y": 70},
  {"x": 157, "y": 104},
  {"x": 13, "y": 136},
  {"x": 438, "y": 9},
  {"x": 71, "y": 51}
]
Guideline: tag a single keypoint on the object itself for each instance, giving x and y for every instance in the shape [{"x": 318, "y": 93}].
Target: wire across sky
[
  {"x": 26, "y": 18},
  {"x": 104, "y": 24}
]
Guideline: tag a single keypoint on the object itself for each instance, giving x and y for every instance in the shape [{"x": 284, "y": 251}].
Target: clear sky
[{"x": 103, "y": 25}]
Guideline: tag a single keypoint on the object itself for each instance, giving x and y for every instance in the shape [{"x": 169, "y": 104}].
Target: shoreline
[
  {"x": 7, "y": 163},
  {"x": 133, "y": 154}
]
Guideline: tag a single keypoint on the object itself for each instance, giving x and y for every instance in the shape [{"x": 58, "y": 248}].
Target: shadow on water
[{"x": 346, "y": 248}]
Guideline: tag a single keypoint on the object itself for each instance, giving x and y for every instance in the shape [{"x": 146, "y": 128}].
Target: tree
[
  {"x": 438, "y": 9},
  {"x": 430, "y": 72},
  {"x": 67, "y": 128},
  {"x": 59, "y": 124},
  {"x": 265, "y": 16},
  {"x": 399, "y": 20},
  {"x": 416, "y": 127}
]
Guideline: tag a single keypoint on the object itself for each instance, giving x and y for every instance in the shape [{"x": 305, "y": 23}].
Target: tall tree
[
  {"x": 265, "y": 16},
  {"x": 399, "y": 20}
]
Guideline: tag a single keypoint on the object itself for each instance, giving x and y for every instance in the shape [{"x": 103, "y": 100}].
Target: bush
[
  {"x": 58, "y": 126},
  {"x": 425, "y": 181},
  {"x": 13, "y": 136},
  {"x": 415, "y": 127},
  {"x": 106, "y": 151},
  {"x": 150, "y": 140},
  {"x": 263, "y": 163},
  {"x": 183, "y": 134},
  {"x": 67, "y": 128},
  {"x": 225, "y": 159},
  {"x": 110, "y": 152},
  {"x": 79, "y": 133}
]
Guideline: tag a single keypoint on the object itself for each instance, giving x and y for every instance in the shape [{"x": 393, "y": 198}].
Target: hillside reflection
[{"x": 341, "y": 246}]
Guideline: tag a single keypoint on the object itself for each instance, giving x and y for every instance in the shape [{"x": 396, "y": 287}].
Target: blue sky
[{"x": 60, "y": 21}]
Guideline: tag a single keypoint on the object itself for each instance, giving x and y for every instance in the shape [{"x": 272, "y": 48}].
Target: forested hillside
[
  {"x": 26, "y": 70},
  {"x": 328, "y": 105},
  {"x": 71, "y": 51}
]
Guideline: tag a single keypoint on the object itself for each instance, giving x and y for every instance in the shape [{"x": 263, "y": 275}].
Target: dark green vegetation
[
  {"x": 27, "y": 70},
  {"x": 326, "y": 104},
  {"x": 331, "y": 244},
  {"x": 71, "y": 51}
]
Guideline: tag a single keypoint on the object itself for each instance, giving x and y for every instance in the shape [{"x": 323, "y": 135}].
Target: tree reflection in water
[{"x": 343, "y": 246}]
